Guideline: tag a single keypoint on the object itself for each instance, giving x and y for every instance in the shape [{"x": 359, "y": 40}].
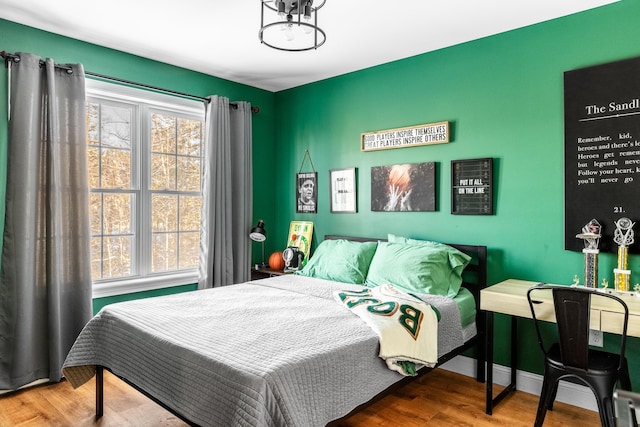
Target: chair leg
[
  {"x": 553, "y": 396},
  {"x": 549, "y": 386},
  {"x": 603, "y": 389},
  {"x": 607, "y": 415}
]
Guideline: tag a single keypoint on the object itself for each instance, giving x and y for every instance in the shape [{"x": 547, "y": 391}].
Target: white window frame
[{"x": 145, "y": 101}]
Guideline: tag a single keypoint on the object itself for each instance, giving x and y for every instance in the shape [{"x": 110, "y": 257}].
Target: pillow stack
[{"x": 418, "y": 266}]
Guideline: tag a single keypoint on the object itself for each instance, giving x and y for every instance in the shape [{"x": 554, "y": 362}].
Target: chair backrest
[
  {"x": 572, "y": 312},
  {"x": 573, "y": 317}
]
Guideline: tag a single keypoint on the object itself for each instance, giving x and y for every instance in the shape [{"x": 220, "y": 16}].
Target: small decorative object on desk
[
  {"x": 591, "y": 236},
  {"x": 623, "y": 236},
  {"x": 276, "y": 262}
]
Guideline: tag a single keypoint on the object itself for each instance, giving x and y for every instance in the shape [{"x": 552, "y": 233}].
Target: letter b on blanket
[
  {"x": 407, "y": 326},
  {"x": 411, "y": 319}
]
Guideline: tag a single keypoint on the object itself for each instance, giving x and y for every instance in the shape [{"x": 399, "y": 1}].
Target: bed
[{"x": 272, "y": 352}]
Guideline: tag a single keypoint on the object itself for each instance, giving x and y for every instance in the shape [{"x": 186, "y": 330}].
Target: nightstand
[{"x": 263, "y": 273}]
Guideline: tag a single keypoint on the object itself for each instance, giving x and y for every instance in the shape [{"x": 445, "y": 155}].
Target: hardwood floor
[{"x": 440, "y": 398}]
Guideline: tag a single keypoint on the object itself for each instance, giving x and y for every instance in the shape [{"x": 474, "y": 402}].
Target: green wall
[
  {"x": 503, "y": 96},
  {"x": 97, "y": 59}
]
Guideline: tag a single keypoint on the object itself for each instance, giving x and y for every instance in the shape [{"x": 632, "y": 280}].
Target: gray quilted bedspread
[{"x": 274, "y": 352}]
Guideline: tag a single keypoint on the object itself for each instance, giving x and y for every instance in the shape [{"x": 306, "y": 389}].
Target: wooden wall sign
[
  {"x": 434, "y": 133},
  {"x": 472, "y": 187},
  {"x": 602, "y": 149}
]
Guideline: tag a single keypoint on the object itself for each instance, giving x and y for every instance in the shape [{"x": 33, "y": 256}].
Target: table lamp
[{"x": 259, "y": 234}]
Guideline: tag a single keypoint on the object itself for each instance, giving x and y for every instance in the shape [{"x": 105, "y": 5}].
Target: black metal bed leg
[{"x": 99, "y": 391}]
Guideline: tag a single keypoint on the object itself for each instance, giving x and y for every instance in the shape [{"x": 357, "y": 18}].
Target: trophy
[
  {"x": 591, "y": 236},
  {"x": 623, "y": 236}
]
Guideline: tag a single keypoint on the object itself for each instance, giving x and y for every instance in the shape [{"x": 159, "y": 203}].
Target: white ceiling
[{"x": 220, "y": 38}]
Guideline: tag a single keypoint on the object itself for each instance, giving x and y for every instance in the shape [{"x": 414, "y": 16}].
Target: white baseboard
[{"x": 570, "y": 393}]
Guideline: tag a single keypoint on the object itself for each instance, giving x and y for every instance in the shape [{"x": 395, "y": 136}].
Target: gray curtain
[
  {"x": 45, "y": 278},
  {"x": 227, "y": 195}
]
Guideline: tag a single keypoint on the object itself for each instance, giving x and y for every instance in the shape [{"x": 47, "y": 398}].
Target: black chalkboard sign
[
  {"x": 602, "y": 149},
  {"x": 472, "y": 187}
]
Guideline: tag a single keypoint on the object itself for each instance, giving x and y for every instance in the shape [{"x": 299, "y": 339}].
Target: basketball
[
  {"x": 276, "y": 262},
  {"x": 400, "y": 177}
]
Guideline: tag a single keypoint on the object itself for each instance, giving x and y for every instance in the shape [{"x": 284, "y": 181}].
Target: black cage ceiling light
[{"x": 291, "y": 25}]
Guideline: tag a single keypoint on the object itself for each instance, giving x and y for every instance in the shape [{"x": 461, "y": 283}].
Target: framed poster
[
  {"x": 472, "y": 187},
  {"x": 306, "y": 192},
  {"x": 404, "y": 187},
  {"x": 343, "y": 190},
  {"x": 601, "y": 150}
]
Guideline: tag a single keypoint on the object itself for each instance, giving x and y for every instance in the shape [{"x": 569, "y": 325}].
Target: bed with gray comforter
[{"x": 273, "y": 352}]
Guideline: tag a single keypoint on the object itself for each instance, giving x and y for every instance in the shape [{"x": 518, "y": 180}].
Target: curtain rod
[{"x": 14, "y": 57}]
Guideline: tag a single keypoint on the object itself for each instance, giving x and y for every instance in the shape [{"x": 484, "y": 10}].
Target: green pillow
[
  {"x": 341, "y": 261},
  {"x": 457, "y": 260},
  {"x": 415, "y": 268}
]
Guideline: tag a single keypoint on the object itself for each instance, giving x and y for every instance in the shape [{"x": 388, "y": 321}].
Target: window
[{"x": 145, "y": 169}]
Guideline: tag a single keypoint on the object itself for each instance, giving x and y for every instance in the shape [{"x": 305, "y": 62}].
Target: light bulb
[
  {"x": 307, "y": 29},
  {"x": 288, "y": 32}
]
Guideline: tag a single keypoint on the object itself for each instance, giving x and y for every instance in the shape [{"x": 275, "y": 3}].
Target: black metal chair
[{"x": 571, "y": 356}]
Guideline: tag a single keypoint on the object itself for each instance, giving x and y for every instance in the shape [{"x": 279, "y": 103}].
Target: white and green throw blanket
[{"x": 406, "y": 326}]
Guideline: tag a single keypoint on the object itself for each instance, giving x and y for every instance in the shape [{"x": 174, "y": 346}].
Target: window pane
[
  {"x": 164, "y": 252},
  {"x": 189, "y": 249},
  {"x": 163, "y": 133},
  {"x": 96, "y": 258},
  {"x": 116, "y": 126},
  {"x": 95, "y": 210},
  {"x": 189, "y": 137},
  {"x": 188, "y": 174},
  {"x": 117, "y": 213},
  {"x": 116, "y": 168},
  {"x": 163, "y": 172},
  {"x": 164, "y": 213},
  {"x": 93, "y": 123},
  {"x": 117, "y": 256},
  {"x": 93, "y": 157},
  {"x": 190, "y": 213}
]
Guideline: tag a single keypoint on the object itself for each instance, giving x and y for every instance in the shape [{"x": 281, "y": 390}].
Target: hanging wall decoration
[
  {"x": 343, "y": 190},
  {"x": 405, "y": 187},
  {"x": 602, "y": 148},
  {"x": 433, "y": 133},
  {"x": 306, "y": 188},
  {"x": 472, "y": 187}
]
